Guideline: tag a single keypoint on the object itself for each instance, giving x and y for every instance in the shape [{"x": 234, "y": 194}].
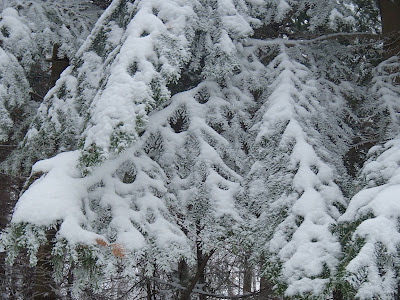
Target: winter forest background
[{"x": 200, "y": 149}]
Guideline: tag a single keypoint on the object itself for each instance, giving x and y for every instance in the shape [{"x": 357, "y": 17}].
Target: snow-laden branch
[{"x": 341, "y": 35}]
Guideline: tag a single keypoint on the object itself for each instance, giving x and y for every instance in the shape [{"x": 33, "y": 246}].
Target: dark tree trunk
[
  {"x": 199, "y": 277},
  {"x": 200, "y": 268},
  {"x": 58, "y": 65},
  {"x": 149, "y": 290},
  {"x": 44, "y": 285},
  {"x": 398, "y": 291},
  {"x": 337, "y": 295},
  {"x": 390, "y": 15},
  {"x": 247, "y": 276},
  {"x": 183, "y": 272},
  {"x": 183, "y": 276},
  {"x": 102, "y": 3}
]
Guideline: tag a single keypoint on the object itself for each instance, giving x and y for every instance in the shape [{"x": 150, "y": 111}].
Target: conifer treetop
[{"x": 298, "y": 179}]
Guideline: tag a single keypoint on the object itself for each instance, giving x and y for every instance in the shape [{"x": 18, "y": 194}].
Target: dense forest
[{"x": 200, "y": 149}]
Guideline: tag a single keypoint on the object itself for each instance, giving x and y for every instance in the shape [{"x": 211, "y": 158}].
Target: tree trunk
[
  {"x": 337, "y": 295},
  {"x": 149, "y": 290},
  {"x": 266, "y": 291},
  {"x": 398, "y": 291},
  {"x": 44, "y": 287},
  {"x": 70, "y": 281},
  {"x": 247, "y": 276},
  {"x": 390, "y": 15},
  {"x": 58, "y": 65},
  {"x": 200, "y": 268},
  {"x": 200, "y": 275},
  {"x": 183, "y": 276}
]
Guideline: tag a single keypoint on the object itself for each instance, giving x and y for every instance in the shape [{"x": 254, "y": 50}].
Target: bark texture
[{"x": 390, "y": 15}]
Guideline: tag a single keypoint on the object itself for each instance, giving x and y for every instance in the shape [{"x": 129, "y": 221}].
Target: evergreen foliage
[
  {"x": 187, "y": 134},
  {"x": 370, "y": 268},
  {"x": 14, "y": 99},
  {"x": 293, "y": 169},
  {"x": 29, "y": 30}
]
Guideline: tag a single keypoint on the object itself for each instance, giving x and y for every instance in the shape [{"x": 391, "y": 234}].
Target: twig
[
  {"x": 344, "y": 35},
  {"x": 201, "y": 292}
]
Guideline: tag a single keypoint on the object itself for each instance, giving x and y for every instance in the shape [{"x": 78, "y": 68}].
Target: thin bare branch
[{"x": 347, "y": 36}]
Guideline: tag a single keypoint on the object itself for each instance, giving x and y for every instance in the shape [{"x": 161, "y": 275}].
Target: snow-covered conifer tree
[
  {"x": 183, "y": 128},
  {"x": 292, "y": 186},
  {"x": 29, "y": 30},
  {"x": 187, "y": 139},
  {"x": 91, "y": 95},
  {"x": 131, "y": 187},
  {"x": 294, "y": 190},
  {"x": 370, "y": 227}
]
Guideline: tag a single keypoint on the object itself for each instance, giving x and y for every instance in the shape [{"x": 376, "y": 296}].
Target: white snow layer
[
  {"x": 303, "y": 242},
  {"x": 56, "y": 196},
  {"x": 380, "y": 205},
  {"x": 127, "y": 96}
]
